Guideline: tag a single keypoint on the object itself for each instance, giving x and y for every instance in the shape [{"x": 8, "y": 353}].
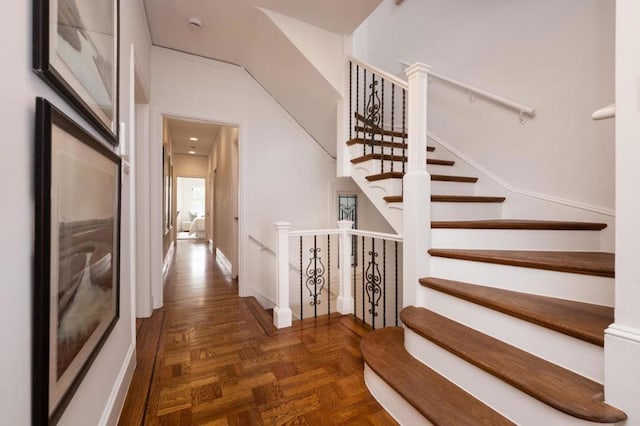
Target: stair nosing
[
  {"x": 519, "y": 224},
  {"x": 388, "y": 157},
  {"x": 508, "y": 258},
  {"x": 526, "y": 381},
  {"x": 504, "y": 301},
  {"x": 434, "y": 177},
  {"x": 451, "y": 199},
  {"x": 387, "y": 144}
]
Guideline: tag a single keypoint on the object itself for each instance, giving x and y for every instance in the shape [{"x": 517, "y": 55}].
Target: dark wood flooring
[{"x": 208, "y": 357}]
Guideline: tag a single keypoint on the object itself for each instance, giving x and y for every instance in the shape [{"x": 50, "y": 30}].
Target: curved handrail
[
  {"x": 606, "y": 112},
  {"x": 522, "y": 109}
]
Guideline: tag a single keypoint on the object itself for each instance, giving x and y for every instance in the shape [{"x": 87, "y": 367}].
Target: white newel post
[
  {"x": 282, "y": 311},
  {"x": 345, "y": 298},
  {"x": 416, "y": 187},
  {"x": 622, "y": 339}
]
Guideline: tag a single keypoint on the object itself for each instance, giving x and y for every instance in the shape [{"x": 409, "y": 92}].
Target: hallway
[{"x": 210, "y": 357}]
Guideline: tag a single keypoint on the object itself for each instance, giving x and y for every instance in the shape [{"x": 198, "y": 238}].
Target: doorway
[{"x": 190, "y": 208}]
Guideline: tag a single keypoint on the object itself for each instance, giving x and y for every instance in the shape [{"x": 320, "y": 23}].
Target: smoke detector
[{"x": 195, "y": 24}]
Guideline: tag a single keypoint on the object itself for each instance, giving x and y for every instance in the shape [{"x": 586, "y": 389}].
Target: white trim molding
[
  {"x": 513, "y": 189},
  {"x": 623, "y": 332},
  {"x": 113, "y": 408}
]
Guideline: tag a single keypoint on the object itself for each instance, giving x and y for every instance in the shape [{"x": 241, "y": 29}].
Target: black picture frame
[
  {"x": 76, "y": 288},
  {"x": 81, "y": 60}
]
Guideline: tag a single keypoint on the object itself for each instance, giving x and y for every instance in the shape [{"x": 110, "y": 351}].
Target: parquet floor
[{"x": 210, "y": 357}]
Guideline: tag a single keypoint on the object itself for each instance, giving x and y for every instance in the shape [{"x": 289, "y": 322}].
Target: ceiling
[
  {"x": 181, "y": 130},
  {"x": 239, "y": 32}
]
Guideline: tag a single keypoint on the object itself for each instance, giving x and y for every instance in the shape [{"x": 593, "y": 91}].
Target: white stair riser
[
  {"x": 391, "y": 401},
  {"x": 563, "y": 285},
  {"x": 540, "y": 341},
  {"x": 510, "y": 402},
  {"x": 452, "y": 188},
  {"x": 394, "y": 187},
  {"x": 511, "y": 239},
  {"x": 465, "y": 211}
]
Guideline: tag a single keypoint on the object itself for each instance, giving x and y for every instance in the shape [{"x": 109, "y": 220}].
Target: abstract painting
[
  {"x": 76, "y": 51},
  {"x": 76, "y": 269}
]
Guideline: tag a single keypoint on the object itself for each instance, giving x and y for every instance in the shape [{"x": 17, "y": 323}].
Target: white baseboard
[
  {"x": 224, "y": 262},
  {"x": 112, "y": 410}
]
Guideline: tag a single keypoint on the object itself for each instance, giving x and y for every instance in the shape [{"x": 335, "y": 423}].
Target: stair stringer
[{"x": 376, "y": 193}]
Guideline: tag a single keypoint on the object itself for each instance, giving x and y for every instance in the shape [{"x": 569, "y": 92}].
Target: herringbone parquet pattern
[{"x": 216, "y": 364}]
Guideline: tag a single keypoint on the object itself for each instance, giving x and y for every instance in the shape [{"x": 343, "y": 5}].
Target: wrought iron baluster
[
  {"x": 357, "y": 93},
  {"x": 384, "y": 283},
  {"x": 382, "y": 124},
  {"x": 393, "y": 120},
  {"x": 301, "y": 304},
  {"x": 404, "y": 126},
  {"x": 396, "y": 283},
  {"x": 355, "y": 266},
  {"x": 373, "y": 283},
  {"x": 372, "y": 110},
  {"x": 350, "y": 100},
  {"x": 363, "y": 317},
  {"x": 364, "y": 109},
  {"x": 329, "y": 274}
]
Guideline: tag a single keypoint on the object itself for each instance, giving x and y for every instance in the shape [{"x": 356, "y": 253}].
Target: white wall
[
  {"x": 557, "y": 57},
  {"x": 20, "y": 86},
  {"x": 272, "y": 186}
]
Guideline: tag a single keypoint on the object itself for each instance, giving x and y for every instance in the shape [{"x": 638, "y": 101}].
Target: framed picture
[
  {"x": 77, "y": 257},
  {"x": 76, "y": 52}
]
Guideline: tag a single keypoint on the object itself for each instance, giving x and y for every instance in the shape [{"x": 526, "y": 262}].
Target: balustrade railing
[
  {"x": 330, "y": 280},
  {"x": 378, "y": 115}
]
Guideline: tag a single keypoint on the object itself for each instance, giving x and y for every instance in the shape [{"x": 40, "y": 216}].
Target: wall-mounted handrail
[
  {"x": 387, "y": 76},
  {"x": 522, "y": 109},
  {"x": 606, "y": 112}
]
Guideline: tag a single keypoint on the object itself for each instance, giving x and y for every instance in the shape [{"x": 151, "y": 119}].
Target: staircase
[{"x": 509, "y": 326}]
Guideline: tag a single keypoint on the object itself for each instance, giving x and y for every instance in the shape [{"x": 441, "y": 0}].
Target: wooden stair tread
[
  {"x": 555, "y": 386},
  {"x": 583, "y": 321},
  {"x": 387, "y": 144},
  {"x": 436, "y": 398},
  {"x": 586, "y": 263},
  {"x": 519, "y": 224},
  {"x": 379, "y": 131},
  {"x": 451, "y": 199},
  {"x": 388, "y": 157},
  {"x": 438, "y": 178}
]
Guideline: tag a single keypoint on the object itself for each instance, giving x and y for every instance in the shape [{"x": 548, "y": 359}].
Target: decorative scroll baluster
[
  {"x": 396, "y": 283},
  {"x": 404, "y": 127},
  {"x": 373, "y": 118},
  {"x": 373, "y": 283},
  {"x": 328, "y": 274},
  {"x": 393, "y": 121},
  {"x": 315, "y": 276},
  {"x": 301, "y": 303},
  {"x": 384, "y": 283}
]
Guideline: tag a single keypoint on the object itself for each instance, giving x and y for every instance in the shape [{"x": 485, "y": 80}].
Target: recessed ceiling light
[
  {"x": 193, "y": 139},
  {"x": 195, "y": 24},
  {"x": 192, "y": 151}
]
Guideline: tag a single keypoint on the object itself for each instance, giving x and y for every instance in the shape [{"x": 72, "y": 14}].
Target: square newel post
[
  {"x": 416, "y": 187},
  {"x": 345, "y": 298},
  {"x": 282, "y": 311}
]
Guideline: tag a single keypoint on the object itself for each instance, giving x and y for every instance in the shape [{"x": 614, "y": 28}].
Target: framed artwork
[
  {"x": 77, "y": 257},
  {"x": 76, "y": 52}
]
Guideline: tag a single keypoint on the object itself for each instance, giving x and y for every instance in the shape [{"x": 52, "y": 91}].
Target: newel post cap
[
  {"x": 418, "y": 68},
  {"x": 282, "y": 225}
]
